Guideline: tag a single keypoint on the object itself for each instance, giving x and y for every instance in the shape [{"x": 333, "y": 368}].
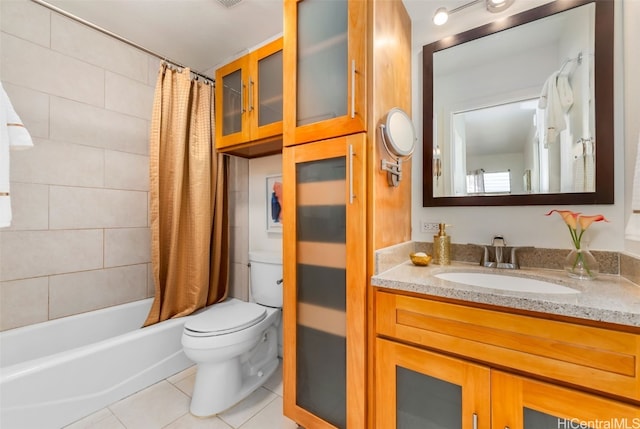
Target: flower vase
[{"x": 581, "y": 264}]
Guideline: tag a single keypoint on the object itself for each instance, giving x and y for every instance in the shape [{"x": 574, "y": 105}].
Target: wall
[
  {"x": 80, "y": 236},
  {"x": 248, "y": 205},
  {"x": 526, "y": 225}
]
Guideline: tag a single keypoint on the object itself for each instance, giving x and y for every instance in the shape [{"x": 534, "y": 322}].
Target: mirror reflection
[
  {"x": 480, "y": 84},
  {"x": 514, "y": 111}
]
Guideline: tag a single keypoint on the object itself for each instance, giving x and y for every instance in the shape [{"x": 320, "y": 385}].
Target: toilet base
[{"x": 219, "y": 386}]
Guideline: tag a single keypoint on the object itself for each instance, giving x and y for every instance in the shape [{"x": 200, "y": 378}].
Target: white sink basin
[{"x": 505, "y": 282}]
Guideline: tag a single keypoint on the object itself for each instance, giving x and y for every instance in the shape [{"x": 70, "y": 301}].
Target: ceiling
[
  {"x": 203, "y": 34},
  {"x": 196, "y": 33}
]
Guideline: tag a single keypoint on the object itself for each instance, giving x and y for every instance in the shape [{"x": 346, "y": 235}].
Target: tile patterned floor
[{"x": 165, "y": 405}]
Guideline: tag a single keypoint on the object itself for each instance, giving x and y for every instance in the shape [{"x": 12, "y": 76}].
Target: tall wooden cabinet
[
  {"x": 324, "y": 270},
  {"x": 347, "y": 63},
  {"x": 249, "y": 103}
]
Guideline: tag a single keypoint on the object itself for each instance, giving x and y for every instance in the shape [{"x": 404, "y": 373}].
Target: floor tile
[
  {"x": 152, "y": 408},
  {"x": 186, "y": 384},
  {"x": 102, "y": 419},
  {"x": 189, "y": 421},
  {"x": 176, "y": 378},
  {"x": 270, "y": 417},
  {"x": 274, "y": 383},
  {"x": 240, "y": 413}
]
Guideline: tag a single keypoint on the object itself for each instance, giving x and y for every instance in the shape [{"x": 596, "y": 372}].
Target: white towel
[
  {"x": 13, "y": 135},
  {"x": 556, "y": 99}
]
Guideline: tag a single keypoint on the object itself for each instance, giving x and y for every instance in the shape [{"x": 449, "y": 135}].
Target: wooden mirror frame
[{"x": 603, "y": 72}]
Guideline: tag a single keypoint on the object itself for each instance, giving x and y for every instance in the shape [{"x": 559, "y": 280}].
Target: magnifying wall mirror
[
  {"x": 520, "y": 111},
  {"x": 399, "y": 140}
]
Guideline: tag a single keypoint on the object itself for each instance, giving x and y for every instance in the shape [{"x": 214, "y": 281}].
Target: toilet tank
[{"x": 266, "y": 277}]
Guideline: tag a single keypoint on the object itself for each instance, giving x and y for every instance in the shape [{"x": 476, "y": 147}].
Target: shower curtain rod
[{"x": 120, "y": 38}]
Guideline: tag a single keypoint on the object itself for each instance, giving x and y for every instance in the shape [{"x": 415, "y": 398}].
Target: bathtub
[{"x": 56, "y": 372}]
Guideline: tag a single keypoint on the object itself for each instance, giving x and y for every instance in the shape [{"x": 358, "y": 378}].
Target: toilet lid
[{"x": 225, "y": 318}]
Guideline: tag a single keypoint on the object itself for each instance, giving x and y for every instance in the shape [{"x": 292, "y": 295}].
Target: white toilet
[{"x": 235, "y": 343}]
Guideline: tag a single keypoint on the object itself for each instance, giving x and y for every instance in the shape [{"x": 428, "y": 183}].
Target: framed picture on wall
[{"x": 274, "y": 203}]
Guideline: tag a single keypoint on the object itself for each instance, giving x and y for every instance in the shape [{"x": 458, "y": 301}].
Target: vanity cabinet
[
  {"x": 325, "y": 56},
  {"x": 249, "y": 96},
  {"x": 530, "y": 371}
]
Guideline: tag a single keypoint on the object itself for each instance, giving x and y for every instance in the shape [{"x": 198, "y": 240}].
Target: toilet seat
[{"x": 225, "y": 318}]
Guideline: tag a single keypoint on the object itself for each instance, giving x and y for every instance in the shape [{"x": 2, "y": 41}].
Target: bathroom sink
[{"x": 505, "y": 282}]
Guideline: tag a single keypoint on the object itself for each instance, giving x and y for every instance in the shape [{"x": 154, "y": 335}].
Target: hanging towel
[
  {"x": 555, "y": 100},
  {"x": 632, "y": 231},
  {"x": 13, "y": 135}
]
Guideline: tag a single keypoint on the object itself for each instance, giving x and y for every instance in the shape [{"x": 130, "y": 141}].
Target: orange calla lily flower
[
  {"x": 586, "y": 221},
  {"x": 568, "y": 216},
  {"x": 573, "y": 220}
]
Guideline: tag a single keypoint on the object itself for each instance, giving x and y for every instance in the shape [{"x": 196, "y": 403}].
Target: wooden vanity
[{"x": 461, "y": 362}]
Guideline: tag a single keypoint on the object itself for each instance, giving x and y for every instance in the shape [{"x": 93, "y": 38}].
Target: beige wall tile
[
  {"x": 128, "y": 96},
  {"x": 33, "y": 66},
  {"x": 239, "y": 281},
  {"x": 76, "y": 122},
  {"x": 28, "y": 254},
  {"x": 32, "y": 107},
  {"x": 23, "y": 302},
  {"x": 26, "y": 20},
  {"x": 151, "y": 288},
  {"x": 238, "y": 174},
  {"x": 79, "y": 41},
  {"x": 90, "y": 290},
  {"x": 52, "y": 162},
  {"x": 126, "y": 171},
  {"x": 29, "y": 206},
  {"x": 153, "y": 69},
  {"x": 239, "y": 243},
  {"x": 72, "y": 207},
  {"x": 127, "y": 246},
  {"x": 239, "y": 209}
]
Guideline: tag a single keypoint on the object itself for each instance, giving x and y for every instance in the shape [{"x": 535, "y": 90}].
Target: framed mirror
[{"x": 520, "y": 111}]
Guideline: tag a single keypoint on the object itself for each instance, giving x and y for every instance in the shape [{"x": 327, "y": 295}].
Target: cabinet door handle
[
  {"x": 243, "y": 109},
  {"x": 351, "y": 154},
  {"x": 475, "y": 421},
  {"x": 250, "y": 95},
  {"x": 353, "y": 89}
]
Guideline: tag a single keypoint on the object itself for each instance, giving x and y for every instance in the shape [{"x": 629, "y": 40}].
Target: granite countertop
[{"x": 608, "y": 298}]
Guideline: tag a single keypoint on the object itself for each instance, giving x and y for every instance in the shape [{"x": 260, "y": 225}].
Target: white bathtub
[{"x": 56, "y": 372}]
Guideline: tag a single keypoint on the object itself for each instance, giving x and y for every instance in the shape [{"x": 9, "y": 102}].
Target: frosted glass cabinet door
[
  {"x": 325, "y": 288},
  {"x": 232, "y": 102},
  {"x": 327, "y": 95},
  {"x": 417, "y": 389},
  {"x": 521, "y": 402},
  {"x": 265, "y": 85}
]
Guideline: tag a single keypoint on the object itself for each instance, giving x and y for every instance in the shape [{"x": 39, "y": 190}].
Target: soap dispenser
[{"x": 442, "y": 246}]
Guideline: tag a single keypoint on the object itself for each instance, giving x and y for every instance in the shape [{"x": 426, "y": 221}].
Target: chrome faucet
[{"x": 499, "y": 255}]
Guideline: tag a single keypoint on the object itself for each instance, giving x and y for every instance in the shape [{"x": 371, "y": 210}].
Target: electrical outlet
[{"x": 426, "y": 226}]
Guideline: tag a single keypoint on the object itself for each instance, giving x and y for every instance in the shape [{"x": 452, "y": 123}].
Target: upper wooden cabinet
[
  {"x": 249, "y": 103},
  {"x": 324, "y": 57}
]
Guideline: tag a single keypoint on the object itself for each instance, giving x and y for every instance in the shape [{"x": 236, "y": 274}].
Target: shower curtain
[{"x": 188, "y": 202}]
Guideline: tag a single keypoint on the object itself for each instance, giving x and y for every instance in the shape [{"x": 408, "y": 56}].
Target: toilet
[{"x": 235, "y": 343}]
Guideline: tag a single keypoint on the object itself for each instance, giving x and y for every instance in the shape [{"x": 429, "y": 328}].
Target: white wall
[
  {"x": 524, "y": 225},
  {"x": 259, "y": 238}
]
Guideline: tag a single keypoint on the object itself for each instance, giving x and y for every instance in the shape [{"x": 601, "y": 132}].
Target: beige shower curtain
[{"x": 188, "y": 203}]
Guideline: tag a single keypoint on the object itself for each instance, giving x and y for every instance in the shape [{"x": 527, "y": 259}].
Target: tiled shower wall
[{"x": 80, "y": 236}]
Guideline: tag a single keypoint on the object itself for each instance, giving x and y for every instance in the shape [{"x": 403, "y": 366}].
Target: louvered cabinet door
[{"x": 325, "y": 283}]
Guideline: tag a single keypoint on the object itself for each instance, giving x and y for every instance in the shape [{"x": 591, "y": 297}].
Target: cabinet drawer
[{"x": 596, "y": 358}]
